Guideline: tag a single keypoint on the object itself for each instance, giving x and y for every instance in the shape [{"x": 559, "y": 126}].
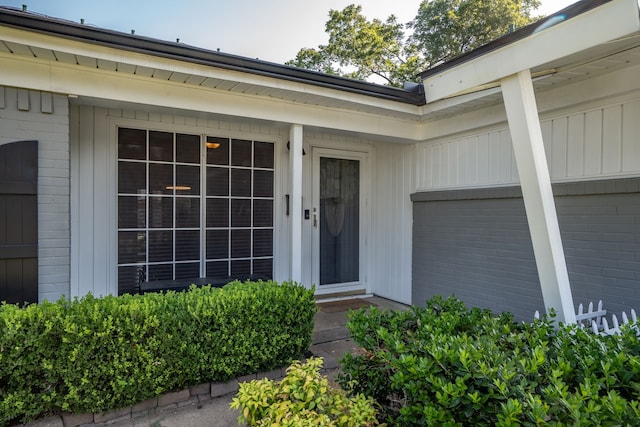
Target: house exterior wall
[
  {"x": 471, "y": 238},
  {"x": 93, "y": 156},
  {"x": 43, "y": 116}
]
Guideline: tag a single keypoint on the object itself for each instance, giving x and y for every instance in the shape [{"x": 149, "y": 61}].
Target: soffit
[{"x": 597, "y": 61}]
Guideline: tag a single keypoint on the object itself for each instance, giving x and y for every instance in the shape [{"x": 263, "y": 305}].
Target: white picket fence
[{"x": 597, "y": 320}]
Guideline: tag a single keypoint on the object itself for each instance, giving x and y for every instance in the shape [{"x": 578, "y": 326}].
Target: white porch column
[
  {"x": 295, "y": 200},
  {"x": 528, "y": 146}
]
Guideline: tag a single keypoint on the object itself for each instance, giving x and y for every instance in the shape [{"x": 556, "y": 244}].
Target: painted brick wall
[
  {"x": 475, "y": 244},
  {"x": 42, "y": 116}
]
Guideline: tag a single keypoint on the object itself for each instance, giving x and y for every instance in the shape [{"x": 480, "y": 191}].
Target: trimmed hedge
[
  {"x": 446, "y": 365},
  {"x": 95, "y": 354}
]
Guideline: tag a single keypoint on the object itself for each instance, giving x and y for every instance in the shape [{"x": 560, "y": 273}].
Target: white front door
[{"x": 337, "y": 220}]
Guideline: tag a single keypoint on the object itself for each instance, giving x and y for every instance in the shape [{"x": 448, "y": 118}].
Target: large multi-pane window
[{"x": 192, "y": 206}]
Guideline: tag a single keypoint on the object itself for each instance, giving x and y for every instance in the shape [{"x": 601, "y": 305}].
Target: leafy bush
[
  {"x": 448, "y": 365},
  {"x": 94, "y": 354},
  {"x": 302, "y": 398}
]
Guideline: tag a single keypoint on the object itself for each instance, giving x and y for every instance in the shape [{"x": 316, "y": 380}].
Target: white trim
[{"x": 295, "y": 200}]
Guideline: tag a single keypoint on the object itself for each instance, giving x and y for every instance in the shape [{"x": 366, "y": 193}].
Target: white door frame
[{"x": 364, "y": 223}]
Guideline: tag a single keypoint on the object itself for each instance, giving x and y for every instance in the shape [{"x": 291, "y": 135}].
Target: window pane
[
  {"x": 218, "y": 269},
  {"x": 217, "y": 212},
  {"x": 241, "y": 182},
  {"x": 263, "y": 155},
  {"x": 160, "y": 179},
  {"x": 160, "y": 272},
  {"x": 132, "y": 144},
  {"x": 217, "y": 244},
  {"x": 187, "y": 245},
  {"x": 262, "y": 183},
  {"x": 131, "y": 247},
  {"x": 160, "y": 212},
  {"x": 263, "y": 213},
  {"x": 187, "y": 180},
  {"x": 187, "y": 148},
  {"x": 187, "y": 212},
  {"x": 263, "y": 267},
  {"x": 241, "y": 267},
  {"x": 161, "y": 146},
  {"x": 132, "y": 212},
  {"x": 129, "y": 279},
  {"x": 217, "y": 181},
  {"x": 241, "y": 212},
  {"x": 160, "y": 246},
  {"x": 240, "y": 243},
  {"x": 262, "y": 243},
  {"x": 132, "y": 178},
  {"x": 240, "y": 152},
  {"x": 217, "y": 151},
  {"x": 188, "y": 271}
]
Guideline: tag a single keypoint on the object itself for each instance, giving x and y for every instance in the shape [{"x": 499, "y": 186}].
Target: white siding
[
  {"x": 600, "y": 142},
  {"x": 392, "y": 223},
  {"x": 42, "y": 116}
]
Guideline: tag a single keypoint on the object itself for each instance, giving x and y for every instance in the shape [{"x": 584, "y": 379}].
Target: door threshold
[{"x": 336, "y": 296}]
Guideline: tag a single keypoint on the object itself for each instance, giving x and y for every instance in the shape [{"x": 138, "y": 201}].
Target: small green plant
[{"x": 303, "y": 398}]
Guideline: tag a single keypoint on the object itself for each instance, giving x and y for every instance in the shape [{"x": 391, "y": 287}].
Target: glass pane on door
[{"x": 339, "y": 220}]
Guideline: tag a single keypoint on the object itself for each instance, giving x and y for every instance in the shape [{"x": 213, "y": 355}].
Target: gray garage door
[
  {"x": 475, "y": 244},
  {"x": 19, "y": 222}
]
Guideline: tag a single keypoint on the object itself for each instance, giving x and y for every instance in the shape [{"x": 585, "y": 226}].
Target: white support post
[
  {"x": 528, "y": 147},
  {"x": 295, "y": 200}
]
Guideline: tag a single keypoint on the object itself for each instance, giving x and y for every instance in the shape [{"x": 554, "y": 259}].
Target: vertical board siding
[
  {"x": 631, "y": 137},
  {"x": 611, "y": 139},
  {"x": 390, "y": 242},
  {"x": 591, "y": 144}
]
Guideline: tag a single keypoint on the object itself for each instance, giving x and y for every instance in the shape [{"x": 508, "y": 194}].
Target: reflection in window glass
[
  {"x": 240, "y": 152},
  {"x": 161, "y": 146}
]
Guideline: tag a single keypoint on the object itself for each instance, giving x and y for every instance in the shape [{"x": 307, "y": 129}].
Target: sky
[{"x": 271, "y": 30}]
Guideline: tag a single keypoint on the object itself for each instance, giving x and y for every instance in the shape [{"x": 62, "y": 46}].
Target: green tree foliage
[
  {"x": 443, "y": 29},
  {"x": 393, "y": 52}
]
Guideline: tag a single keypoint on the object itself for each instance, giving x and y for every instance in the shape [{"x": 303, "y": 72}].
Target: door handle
[{"x": 315, "y": 219}]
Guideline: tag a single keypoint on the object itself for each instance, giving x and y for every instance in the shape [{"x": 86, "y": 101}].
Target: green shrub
[
  {"x": 95, "y": 354},
  {"x": 448, "y": 365},
  {"x": 302, "y": 398}
]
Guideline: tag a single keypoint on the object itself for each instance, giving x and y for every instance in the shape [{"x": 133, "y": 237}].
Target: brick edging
[{"x": 173, "y": 400}]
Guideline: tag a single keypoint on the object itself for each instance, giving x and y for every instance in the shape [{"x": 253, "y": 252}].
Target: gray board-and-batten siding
[{"x": 475, "y": 244}]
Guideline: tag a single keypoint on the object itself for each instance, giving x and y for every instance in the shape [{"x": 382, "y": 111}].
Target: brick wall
[
  {"x": 476, "y": 244},
  {"x": 42, "y": 116}
]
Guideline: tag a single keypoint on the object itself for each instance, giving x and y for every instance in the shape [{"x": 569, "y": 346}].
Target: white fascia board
[
  {"x": 602, "y": 24},
  {"x": 25, "y": 72},
  {"x": 105, "y": 53}
]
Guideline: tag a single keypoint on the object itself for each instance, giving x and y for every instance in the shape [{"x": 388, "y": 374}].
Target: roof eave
[
  {"x": 182, "y": 52},
  {"x": 531, "y": 48}
]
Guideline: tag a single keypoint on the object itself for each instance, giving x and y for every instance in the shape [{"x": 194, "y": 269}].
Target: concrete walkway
[{"x": 330, "y": 341}]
